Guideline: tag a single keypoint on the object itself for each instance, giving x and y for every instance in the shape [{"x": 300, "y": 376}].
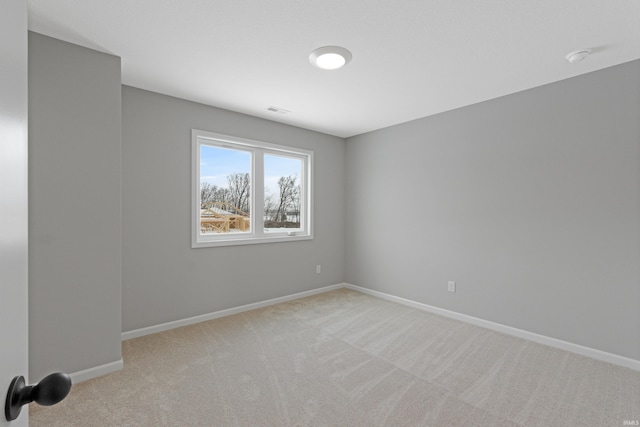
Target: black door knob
[{"x": 51, "y": 390}]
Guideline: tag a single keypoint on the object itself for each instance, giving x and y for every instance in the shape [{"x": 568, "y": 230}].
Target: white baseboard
[
  {"x": 98, "y": 371},
  {"x": 540, "y": 339},
  {"x": 223, "y": 313}
]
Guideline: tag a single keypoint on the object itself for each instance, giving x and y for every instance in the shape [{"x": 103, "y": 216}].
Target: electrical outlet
[
  {"x": 451, "y": 286},
  {"x": 318, "y": 269}
]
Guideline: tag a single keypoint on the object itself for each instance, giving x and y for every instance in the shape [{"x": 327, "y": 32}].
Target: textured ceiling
[{"x": 411, "y": 58}]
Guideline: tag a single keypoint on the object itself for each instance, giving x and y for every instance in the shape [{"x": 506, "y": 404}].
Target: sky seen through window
[{"x": 216, "y": 163}]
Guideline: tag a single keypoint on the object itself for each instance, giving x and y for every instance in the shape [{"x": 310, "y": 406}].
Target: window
[{"x": 248, "y": 191}]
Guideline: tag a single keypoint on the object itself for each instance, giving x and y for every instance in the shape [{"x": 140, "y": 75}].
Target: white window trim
[{"x": 257, "y": 234}]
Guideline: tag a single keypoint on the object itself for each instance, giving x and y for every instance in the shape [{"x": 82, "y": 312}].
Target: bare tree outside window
[
  {"x": 285, "y": 212},
  {"x": 212, "y": 193},
  {"x": 239, "y": 187}
]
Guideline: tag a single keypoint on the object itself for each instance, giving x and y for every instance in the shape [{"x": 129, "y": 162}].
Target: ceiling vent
[{"x": 278, "y": 110}]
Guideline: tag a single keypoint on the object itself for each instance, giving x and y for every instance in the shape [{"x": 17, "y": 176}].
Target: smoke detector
[{"x": 578, "y": 55}]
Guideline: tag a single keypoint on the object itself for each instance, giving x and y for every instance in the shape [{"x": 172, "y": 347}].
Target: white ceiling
[{"x": 411, "y": 58}]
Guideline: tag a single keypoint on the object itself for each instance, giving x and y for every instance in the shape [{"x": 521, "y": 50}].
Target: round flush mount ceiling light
[
  {"x": 330, "y": 57},
  {"x": 578, "y": 55}
]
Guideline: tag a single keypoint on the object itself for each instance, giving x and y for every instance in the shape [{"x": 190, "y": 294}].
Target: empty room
[{"x": 327, "y": 213}]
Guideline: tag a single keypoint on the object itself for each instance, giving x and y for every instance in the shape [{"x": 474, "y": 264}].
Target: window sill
[{"x": 249, "y": 241}]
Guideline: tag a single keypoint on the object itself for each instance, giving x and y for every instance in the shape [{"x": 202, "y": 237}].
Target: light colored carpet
[{"x": 343, "y": 358}]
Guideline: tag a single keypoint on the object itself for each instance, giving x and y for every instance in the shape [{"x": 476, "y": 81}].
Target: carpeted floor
[{"x": 343, "y": 358}]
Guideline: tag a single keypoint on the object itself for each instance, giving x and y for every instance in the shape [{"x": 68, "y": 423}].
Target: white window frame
[{"x": 257, "y": 149}]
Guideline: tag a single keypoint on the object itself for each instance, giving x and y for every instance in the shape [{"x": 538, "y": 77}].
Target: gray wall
[
  {"x": 529, "y": 202},
  {"x": 74, "y": 207},
  {"x": 164, "y": 279}
]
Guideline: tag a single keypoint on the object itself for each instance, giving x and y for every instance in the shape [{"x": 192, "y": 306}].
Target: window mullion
[{"x": 258, "y": 192}]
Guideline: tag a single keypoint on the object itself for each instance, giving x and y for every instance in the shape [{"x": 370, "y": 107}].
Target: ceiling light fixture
[
  {"x": 330, "y": 57},
  {"x": 578, "y": 55}
]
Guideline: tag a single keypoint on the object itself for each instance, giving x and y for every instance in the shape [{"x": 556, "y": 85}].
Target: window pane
[
  {"x": 282, "y": 192},
  {"x": 225, "y": 190},
  {"x": 248, "y": 192}
]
